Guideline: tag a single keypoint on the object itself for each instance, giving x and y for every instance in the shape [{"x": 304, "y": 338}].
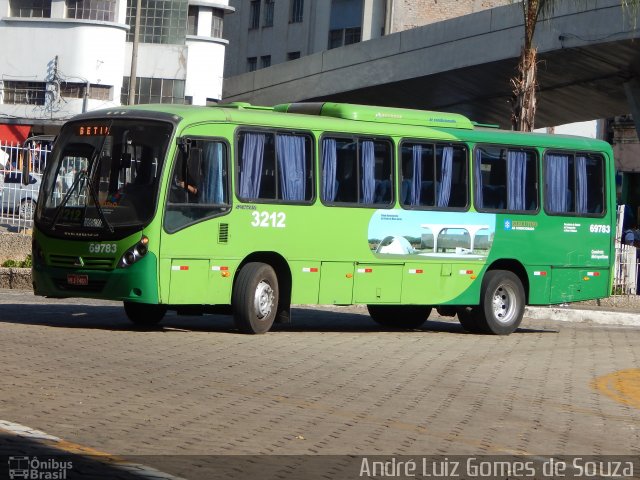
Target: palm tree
[{"x": 525, "y": 82}]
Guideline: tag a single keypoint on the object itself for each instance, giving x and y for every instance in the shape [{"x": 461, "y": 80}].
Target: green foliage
[{"x": 26, "y": 263}]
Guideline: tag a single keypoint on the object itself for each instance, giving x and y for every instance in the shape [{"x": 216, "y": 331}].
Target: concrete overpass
[{"x": 464, "y": 65}]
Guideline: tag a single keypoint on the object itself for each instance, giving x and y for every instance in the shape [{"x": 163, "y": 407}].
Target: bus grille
[
  {"x": 89, "y": 263},
  {"x": 93, "y": 286}
]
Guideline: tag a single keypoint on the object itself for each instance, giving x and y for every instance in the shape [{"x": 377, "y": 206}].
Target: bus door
[{"x": 195, "y": 226}]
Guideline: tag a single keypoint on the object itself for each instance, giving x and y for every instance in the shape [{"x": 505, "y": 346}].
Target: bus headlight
[{"x": 135, "y": 253}]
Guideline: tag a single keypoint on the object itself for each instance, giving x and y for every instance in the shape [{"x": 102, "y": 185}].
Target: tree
[{"x": 524, "y": 84}]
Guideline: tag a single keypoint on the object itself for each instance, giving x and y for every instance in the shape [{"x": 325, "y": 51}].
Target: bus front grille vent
[
  {"x": 89, "y": 263},
  {"x": 223, "y": 233}
]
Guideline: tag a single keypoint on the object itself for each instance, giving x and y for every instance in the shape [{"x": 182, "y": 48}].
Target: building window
[
  {"x": 162, "y": 21},
  {"x": 345, "y": 22},
  {"x": 30, "y": 8},
  {"x": 268, "y": 13},
  {"x": 24, "y": 93},
  {"x": 92, "y": 9},
  {"x": 293, "y": 55},
  {"x": 217, "y": 22},
  {"x": 265, "y": 61},
  {"x": 77, "y": 90},
  {"x": 344, "y": 36},
  {"x": 297, "y": 8},
  {"x": 252, "y": 64},
  {"x": 154, "y": 90},
  {"x": 192, "y": 20},
  {"x": 254, "y": 14}
]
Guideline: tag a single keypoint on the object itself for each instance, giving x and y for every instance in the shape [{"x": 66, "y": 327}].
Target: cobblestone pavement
[{"x": 330, "y": 383}]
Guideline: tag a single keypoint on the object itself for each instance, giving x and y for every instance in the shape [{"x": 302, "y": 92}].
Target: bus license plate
[{"x": 75, "y": 279}]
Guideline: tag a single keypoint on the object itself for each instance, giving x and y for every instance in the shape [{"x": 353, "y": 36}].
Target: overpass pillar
[{"x": 632, "y": 91}]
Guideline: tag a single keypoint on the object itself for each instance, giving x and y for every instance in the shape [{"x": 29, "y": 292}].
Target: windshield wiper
[
  {"x": 66, "y": 198},
  {"x": 82, "y": 174}
]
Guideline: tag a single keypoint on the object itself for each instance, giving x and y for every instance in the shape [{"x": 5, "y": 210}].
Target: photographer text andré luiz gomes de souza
[{"x": 474, "y": 467}]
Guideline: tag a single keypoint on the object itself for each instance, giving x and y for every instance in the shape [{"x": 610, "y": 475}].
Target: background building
[
  {"x": 267, "y": 32},
  {"x": 63, "y": 57}
]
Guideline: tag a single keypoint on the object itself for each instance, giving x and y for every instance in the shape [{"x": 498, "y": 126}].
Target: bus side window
[
  {"x": 433, "y": 175},
  {"x": 574, "y": 183},
  {"x": 198, "y": 195},
  {"x": 356, "y": 171},
  {"x": 505, "y": 179},
  {"x": 275, "y": 166}
]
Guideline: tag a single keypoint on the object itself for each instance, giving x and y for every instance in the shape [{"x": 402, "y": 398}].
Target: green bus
[{"x": 248, "y": 210}]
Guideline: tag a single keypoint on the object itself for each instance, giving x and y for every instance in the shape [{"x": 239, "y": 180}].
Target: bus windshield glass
[{"x": 104, "y": 174}]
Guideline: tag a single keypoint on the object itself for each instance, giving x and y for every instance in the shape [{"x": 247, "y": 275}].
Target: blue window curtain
[
  {"x": 368, "y": 162},
  {"x": 477, "y": 179},
  {"x": 516, "y": 180},
  {"x": 416, "y": 182},
  {"x": 214, "y": 185},
  {"x": 557, "y": 179},
  {"x": 444, "y": 190},
  {"x": 252, "y": 158},
  {"x": 291, "y": 163},
  {"x": 329, "y": 164},
  {"x": 581, "y": 185}
]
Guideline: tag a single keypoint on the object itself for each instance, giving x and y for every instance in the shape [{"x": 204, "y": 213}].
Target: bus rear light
[{"x": 135, "y": 253}]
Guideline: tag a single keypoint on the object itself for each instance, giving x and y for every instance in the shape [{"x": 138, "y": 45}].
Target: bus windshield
[{"x": 104, "y": 174}]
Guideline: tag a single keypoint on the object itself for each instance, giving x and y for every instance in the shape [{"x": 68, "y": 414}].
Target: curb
[{"x": 569, "y": 314}]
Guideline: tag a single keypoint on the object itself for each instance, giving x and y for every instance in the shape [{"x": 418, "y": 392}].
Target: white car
[{"x": 18, "y": 198}]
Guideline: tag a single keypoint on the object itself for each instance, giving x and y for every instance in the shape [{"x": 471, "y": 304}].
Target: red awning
[{"x": 14, "y": 133}]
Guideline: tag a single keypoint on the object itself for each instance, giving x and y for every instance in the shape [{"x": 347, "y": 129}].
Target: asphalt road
[{"x": 332, "y": 383}]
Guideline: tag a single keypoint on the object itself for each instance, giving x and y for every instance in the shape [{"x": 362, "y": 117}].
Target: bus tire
[
  {"x": 399, "y": 316},
  {"x": 255, "y": 298},
  {"x": 144, "y": 314},
  {"x": 502, "y": 302},
  {"x": 469, "y": 318}
]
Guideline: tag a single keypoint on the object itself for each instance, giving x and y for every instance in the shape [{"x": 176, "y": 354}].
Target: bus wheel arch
[
  {"x": 282, "y": 272},
  {"x": 503, "y": 295},
  {"x": 515, "y": 267}
]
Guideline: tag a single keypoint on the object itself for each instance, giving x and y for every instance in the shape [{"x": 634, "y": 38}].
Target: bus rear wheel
[
  {"x": 144, "y": 314},
  {"x": 399, "y": 316},
  {"x": 502, "y": 302},
  {"x": 255, "y": 298}
]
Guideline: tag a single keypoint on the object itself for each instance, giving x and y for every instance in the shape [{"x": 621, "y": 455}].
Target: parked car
[{"x": 17, "y": 198}]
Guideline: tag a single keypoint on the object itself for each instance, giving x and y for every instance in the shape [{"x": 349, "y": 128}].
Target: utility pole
[{"x": 134, "y": 56}]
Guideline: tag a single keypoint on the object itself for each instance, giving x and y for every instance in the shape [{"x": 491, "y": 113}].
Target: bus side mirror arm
[{"x": 26, "y": 166}]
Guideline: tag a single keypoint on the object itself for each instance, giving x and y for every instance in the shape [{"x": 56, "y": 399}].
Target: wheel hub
[
  {"x": 263, "y": 299},
  {"x": 504, "y": 304}
]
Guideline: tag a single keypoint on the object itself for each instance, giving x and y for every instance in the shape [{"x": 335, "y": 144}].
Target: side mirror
[{"x": 26, "y": 165}]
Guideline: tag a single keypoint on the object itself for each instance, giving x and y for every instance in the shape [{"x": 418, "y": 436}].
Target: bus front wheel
[
  {"x": 399, "y": 316},
  {"x": 144, "y": 314},
  {"x": 255, "y": 298}
]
